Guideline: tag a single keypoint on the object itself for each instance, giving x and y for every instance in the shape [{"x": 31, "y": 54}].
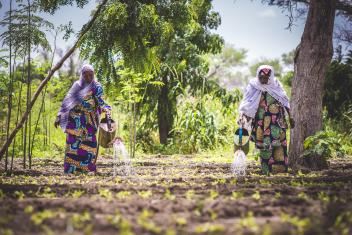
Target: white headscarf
[
  {"x": 78, "y": 90},
  {"x": 250, "y": 103}
]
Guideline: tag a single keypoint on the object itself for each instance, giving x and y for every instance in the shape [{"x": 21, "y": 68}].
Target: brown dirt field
[{"x": 175, "y": 195}]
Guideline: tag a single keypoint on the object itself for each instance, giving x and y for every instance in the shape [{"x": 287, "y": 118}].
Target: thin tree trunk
[
  {"x": 85, "y": 29},
  {"x": 44, "y": 127},
  {"x": 48, "y": 129},
  {"x": 165, "y": 113},
  {"x": 311, "y": 61},
  {"x": 18, "y": 109},
  {"x": 17, "y": 116},
  {"x": 134, "y": 129},
  {"x": 29, "y": 80},
  {"x": 37, "y": 122},
  {"x": 9, "y": 104},
  {"x": 131, "y": 131},
  {"x": 43, "y": 100}
]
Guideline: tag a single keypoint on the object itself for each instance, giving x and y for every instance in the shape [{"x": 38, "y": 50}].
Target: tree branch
[
  {"x": 344, "y": 6},
  {"x": 341, "y": 5}
]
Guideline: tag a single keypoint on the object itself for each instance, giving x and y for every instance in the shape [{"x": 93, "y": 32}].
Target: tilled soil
[{"x": 175, "y": 195}]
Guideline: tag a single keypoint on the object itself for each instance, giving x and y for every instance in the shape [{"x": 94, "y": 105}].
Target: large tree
[
  {"x": 168, "y": 37},
  {"x": 312, "y": 58}
]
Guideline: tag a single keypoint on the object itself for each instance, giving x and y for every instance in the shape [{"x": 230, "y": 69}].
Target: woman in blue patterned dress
[{"x": 79, "y": 118}]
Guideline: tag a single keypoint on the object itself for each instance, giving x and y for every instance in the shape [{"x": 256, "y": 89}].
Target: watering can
[
  {"x": 107, "y": 131},
  {"x": 241, "y": 140}
]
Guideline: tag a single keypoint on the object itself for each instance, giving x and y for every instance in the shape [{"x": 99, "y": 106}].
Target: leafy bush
[
  {"x": 338, "y": 86},
  {"x": 195, "y": 129},
  {"x": 324, "y": 144},
  {"x": 286, "y": 79},
  {"x": 319, "y": 148},
  {"x": 347, "y": 120}
]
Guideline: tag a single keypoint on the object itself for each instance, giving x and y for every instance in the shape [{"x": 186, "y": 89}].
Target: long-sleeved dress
[
  {"x": 81, "y": 129},
  {"x": 269, "y": 134}
]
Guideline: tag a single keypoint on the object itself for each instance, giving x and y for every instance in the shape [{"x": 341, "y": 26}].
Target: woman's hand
[
  {"x": 243, "y": 119},
  {"x": 292, "y": 123},
  {"x": 57, "y": 121},
  {"x": 106, "y": 109},
  {"x": 116, "y": 140},
  {"x": 291, "y": 120}
]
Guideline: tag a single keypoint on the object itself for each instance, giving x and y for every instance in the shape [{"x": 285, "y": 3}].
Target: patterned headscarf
[{"x": 77, "y": 92}]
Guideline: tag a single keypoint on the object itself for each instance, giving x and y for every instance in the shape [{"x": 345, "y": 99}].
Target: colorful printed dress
[
  {"x": 81, "y": 129},
  {"x": 269, "y": 134}
]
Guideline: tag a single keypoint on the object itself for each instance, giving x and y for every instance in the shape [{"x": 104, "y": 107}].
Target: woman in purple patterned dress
[{"x": 79, "y": 118}]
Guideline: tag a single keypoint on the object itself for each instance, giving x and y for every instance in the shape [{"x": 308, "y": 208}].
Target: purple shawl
[{"x": 77, "y": 92}]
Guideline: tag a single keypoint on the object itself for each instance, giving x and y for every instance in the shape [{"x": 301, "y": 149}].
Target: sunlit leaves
[{"x": 21, "y": 34}]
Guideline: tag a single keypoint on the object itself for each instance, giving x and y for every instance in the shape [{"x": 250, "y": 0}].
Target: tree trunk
[
  {"x": 9, "y": 102},
  {"x": 17, "y": 117},
  {"x": 312, "y": 58},
  {"x": 165, "y": 113},
  {"x": 41, "y": 110},
  {"x": 134, "y": 130},
  {"x": 42, "y": 106},
  {"x": 29, "y": 87}
]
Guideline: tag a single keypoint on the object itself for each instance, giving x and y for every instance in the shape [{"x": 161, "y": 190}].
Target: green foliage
[
  {"x": 256, "y": 195},
  {"x": 28, "y": 209},
  {"x": 347, "y": 120},
  {"x": 273, "y": 62},
  {"x": 236, "y": 195},
  {"x": 326, "y": 144},
  {"x": 209, "y": 229},
  {"x": 39, "y": 217},
  {"x": 248, "y": 222},
  {"x": 131, "y": 86},
  {"x": 47, "y": 193},
  {"x": 119, "y": 222},
  {"x": 168, "y": 195},
  {"x": 77, "y": 193},
  {"x": 6, "y": 231},
  {"x": 19, "y": 194},
  {"x": 195, "y": 129},
  {"x": 144, "y": 220},
  {"x": 288, "y": 58},
  {"x": 106, "y": 193},
  {"x": 20, "y": 33},
  {"x": 287, "y": 78},
  {"x": 165, "y": 40},
  {"x": 213, "y": 194},
  {"x": 145, "y": 194},
  {"x": 123, "y": 194},
  {"x": 301, "y": 225},
  {"x": 343, "y": 223},
  {"x": 53, "y": 5},
  {"x": 80, "y": 220},
  {"x": 337, "y": 91}
]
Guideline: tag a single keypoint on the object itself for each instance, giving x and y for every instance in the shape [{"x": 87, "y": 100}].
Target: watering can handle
[
  {"x": 108, "y": 120},
  {"x": 240, "y": 135}
]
